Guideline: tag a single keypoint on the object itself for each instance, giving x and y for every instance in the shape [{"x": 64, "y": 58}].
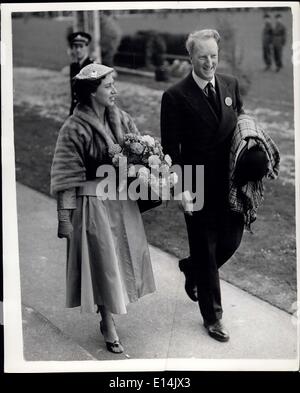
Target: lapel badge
[{"x": 228, "y": 101}]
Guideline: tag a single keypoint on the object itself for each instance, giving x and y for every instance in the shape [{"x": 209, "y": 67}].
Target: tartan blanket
[{"x": 246, "y": 199}]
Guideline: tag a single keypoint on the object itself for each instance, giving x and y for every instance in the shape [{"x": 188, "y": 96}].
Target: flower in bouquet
[
  {"x": 144, "y": 176},
  {"x": 146, "y": 162},
  {"x": 137, "y": 148},
  {"x": 158, "y": 148},
  {"x": 154, "y": 161},
  {"x": 154, "y": 184},
  {"x": 116, "y": 159},
  {"x": 168, "y": 160},
  {"x": 148, "y": 140},
  {"x": 114, "y": 149},
  {"x": 131, "y": 138},
  {"x": 144, "y": 172},
  {"x": 150, "y": 151}
]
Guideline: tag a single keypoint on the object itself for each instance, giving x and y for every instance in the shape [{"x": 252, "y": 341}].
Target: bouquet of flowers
[{"x": 145, "y": 161}]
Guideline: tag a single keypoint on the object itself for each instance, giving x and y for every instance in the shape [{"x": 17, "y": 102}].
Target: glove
[{"x": 65, "y": 227}]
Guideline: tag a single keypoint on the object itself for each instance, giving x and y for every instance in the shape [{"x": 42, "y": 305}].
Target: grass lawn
[{"x": 265, "y": 264}]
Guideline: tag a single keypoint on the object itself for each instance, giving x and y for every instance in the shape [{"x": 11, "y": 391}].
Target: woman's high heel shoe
[{"x": 114, "y": 347}]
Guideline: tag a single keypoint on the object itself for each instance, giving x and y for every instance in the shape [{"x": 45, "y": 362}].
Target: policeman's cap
[{"x": 79, "y": 37}]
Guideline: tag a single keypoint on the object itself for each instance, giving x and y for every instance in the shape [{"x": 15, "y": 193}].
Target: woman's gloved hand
[{"x": 65, "y": 227}]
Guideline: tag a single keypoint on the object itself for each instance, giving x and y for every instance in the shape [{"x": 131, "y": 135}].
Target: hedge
[{"x": 147, "y": 48}]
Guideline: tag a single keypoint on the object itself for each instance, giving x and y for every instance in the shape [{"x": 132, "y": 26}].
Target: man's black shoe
[
  {"x": 217, "y": 331},
  {"x": 185, "y": 265}
]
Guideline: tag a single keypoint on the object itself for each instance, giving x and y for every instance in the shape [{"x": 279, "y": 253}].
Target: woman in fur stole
[{"x": 108, "y": 260}]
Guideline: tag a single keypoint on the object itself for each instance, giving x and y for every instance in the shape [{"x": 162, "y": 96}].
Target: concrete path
[{"x": 162, "y": 325}]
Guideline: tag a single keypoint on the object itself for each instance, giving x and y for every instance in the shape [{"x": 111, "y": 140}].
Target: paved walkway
[{"x": 162, "y": 325}]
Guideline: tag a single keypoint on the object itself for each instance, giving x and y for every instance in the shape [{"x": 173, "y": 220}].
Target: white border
[
  {"x": 145, "y": 365},
  {"x": 86, "y": 6},
  {"x": 13, "y": 339},
  {"x": 296, "y": 39}
]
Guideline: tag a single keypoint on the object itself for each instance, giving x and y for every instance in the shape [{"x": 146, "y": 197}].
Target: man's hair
[
  {"x": 266, "y": 16},
  {"x": 201, "y": 35},
  {"x": 278, "y": 16},
  {"x": 84, "y": 89}
]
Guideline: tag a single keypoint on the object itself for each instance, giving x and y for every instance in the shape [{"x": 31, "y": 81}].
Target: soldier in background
[
  {"x": 279, "y": 40},
  {"x": 79, "y": 43},
  {"x": 267, "y": 41}
]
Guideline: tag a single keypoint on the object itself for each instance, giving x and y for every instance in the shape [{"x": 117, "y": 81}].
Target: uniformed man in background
[
  {"x": 279, "y": 40},
  {"x": 80, "y": 46},
  {"x": 267, "y": 41}
]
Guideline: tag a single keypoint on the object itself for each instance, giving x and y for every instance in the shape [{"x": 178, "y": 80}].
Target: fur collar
[{"x": 113, "y": 116}]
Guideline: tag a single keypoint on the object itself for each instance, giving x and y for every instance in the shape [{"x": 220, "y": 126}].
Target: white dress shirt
[{"x": 202, "y": 82}]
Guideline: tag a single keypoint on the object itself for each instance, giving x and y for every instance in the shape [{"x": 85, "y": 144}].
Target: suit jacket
[
  {"x": 279, "y": 34},
  {"x": 193, "y": 134},
  {"x": 74, "y": 70},
  {"x": 267, "y": 36}
]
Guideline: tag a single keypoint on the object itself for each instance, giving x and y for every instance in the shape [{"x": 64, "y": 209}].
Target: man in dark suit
[
  {"x": 198, "y": 117},
  {"x": 79, "y": 43}
]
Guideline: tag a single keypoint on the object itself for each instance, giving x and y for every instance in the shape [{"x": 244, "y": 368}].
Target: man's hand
[{"x": 186, "y": 202}]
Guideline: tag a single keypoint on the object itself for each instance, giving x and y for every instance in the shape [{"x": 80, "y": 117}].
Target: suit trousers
[
  {"x": 267, "y": 54},
  {"x": 278, "y": 55},
  {"x": 212, "y": 242}
]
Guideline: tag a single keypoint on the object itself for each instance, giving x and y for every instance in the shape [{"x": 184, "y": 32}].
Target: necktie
[{"x": 212, "y": 96}]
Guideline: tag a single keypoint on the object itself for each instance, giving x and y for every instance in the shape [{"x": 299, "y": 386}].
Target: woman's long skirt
[{"x": 108, "y": 260}]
